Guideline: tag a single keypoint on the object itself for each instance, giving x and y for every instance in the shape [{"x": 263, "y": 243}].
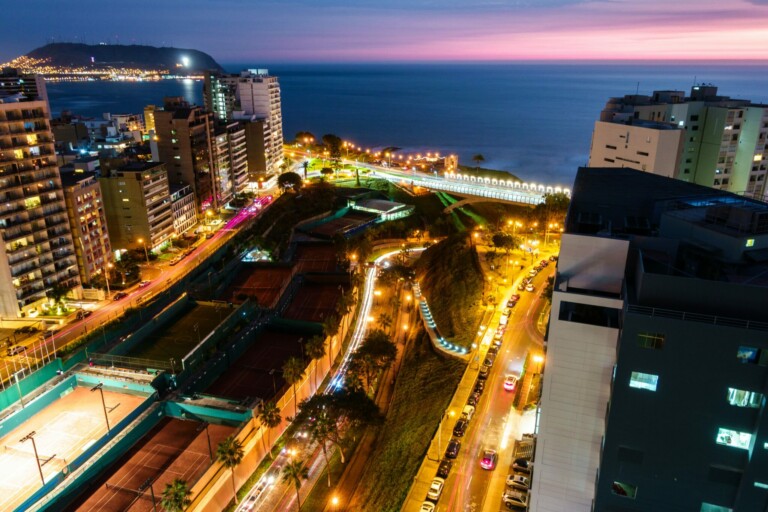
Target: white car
[
  {"x": 529, "y": 287},
  {"x": 435, "y": 489},
  {"x": 510, "y": 382},
  {"x": 515, "y": 499},
  {"x": 518, "y": 482},
  {"x": 427, "y": 507},
  {"x": 468, "y": 412}
]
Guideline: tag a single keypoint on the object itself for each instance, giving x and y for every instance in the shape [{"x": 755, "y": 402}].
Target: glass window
[
  {"x": 624, "y": 489},
  {"x": 650, "y": 340},
  {"x": 641, "y": 380},
  {"x": 708, "y": 507},
  {"x": 733, "y": 438},
  {"x": 747, "y": 354},
  {"x": 742, "y": 398}
]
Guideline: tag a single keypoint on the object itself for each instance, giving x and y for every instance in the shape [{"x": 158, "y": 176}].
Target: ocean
[{"x": 534, "y": 120}]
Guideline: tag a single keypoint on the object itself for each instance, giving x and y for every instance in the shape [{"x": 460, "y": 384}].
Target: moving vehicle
[
  {"x": 488, "y": 460},
  {"x": 175, "y": 261},
  {"x": 522, "y": 465},
  {"x": 144, "y": 284},
  {"x": 510, "y": 382},
  {"x": 18, "y": 349},
  {"x": 83, "y": 313},
  {"x": 435, "y": 489},
  {"x": 208, "y": 236},
  {"x": 444, "y": 468},
  {"x": 452, "y": 451},
  {"x": 518, "y": 482},
  {"x": 119, "y": 295},
  {"x": 515, "y": 499},
  {"x": 460, "y": 427}
]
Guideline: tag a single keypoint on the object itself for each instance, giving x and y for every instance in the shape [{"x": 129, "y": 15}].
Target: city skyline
[{"x": 423, "y": 30}]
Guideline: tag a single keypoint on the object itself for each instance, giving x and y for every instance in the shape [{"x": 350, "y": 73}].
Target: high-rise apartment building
[
  {"x": 28, "y": 85},
  {"x": 37, "y": 253},
  {"x": 182, "y": 208},
  {"x": 184, "y": 141},
  {"x": 657, "y": 355},
  {"x": 724, "y": 143},
  {"x": 251, "y": 95},
  {"x": 88, "y": 221},
  {"x": 231, "y": 160},
  {"x": 138, "y": 206}
]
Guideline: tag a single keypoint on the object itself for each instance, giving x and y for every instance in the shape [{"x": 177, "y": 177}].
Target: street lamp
[
  {"x": 335, "y": 502},
  {"x": 99, "y": 386},
  {"x": 106, "y": 277},
  {"x": 440, "y": 431},
  {"x": 204, "y": 426},
  {"x": 141, "y": 241},
  {"x": 31, "y": 437}
]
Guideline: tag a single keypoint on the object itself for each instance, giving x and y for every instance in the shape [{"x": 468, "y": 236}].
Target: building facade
[
  {"x": 88, "y": 221},
  {"x": 138, "y": 206},
  {"x": 37, "y": 252},
  {"x": 657, "y": 354},
  {"x": 231, "y": 161},
  {"x": 182, "y": 208}
]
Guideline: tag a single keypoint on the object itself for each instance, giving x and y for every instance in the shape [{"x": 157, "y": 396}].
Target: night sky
[{"x": 402, "y": 30}]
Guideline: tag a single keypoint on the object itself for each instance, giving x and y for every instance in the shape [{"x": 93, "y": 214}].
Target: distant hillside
[{"x": 174, "y": 60}]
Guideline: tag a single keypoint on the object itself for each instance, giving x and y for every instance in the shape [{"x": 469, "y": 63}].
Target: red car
[{"x": 510, "y": 382}]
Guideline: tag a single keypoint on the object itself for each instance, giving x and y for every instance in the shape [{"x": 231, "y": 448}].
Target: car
[
  {"x": 250, "y": 504},
  {"x": 444, "y": 468},
  {"x": 175, "y": 261},
  {"x": 533, "y": 272},
  {"x": 83, "y": 313},
  {"x": 544, "y": 263},
  {"x": 144, "y": 284},
  {"x": 515, "y": 298},
  {"x": 427, "y": 506},
  {"x": 452, "y": 450},
  {"x": 527, "y": 280},
  {"x": 119, "y": 295},
  {"x": 498, "y": 335},
  {"x": 208, "y": 236},
  {"x": 18, "y": 349},
  {"x": 515, "y": 499},
  {"x": 553, "y": 258},
  {"x": 510, "y": 382},
  {"x": 488, "y": 460},
  {"x": 522, "y": 465},
  {"x": 529, "y": 288},
  {"x": 493, "y": 349},
  {"x": 479, "y": 386},
  {"x": 435, "y": 489},
  {"x": 507, "y": 311},
  {"x": 518, "y": 482},
  {"x": 521, "y": 286},
  {"x": 489, "y": 359},
  {"x": 485, "y": 370},
  {"x": 460, "y": 427},
  {"x": 473, "y": 399},
  {"x": 468, "y": 412}
]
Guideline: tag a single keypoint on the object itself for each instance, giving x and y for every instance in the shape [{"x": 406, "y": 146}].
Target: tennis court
[
  {"x": 176, "y": 340},
  {"x": 61, "y": 432},
  {"x": 173, "y": 449},
  {"x": 264, "y": 283},
  {"x": 342, "y": 225},
  {"x": 314, "y": 301},
  {"x": 249, "y": 376},
  {"x": 315, "y": 258}
]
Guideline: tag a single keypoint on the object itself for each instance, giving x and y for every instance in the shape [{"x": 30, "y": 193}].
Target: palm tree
[
  {"x": 385, "y": 321},
  {"x": 293, "y": 371},
  {"x": 269, "y": 416},
  {"x": 330, "y": 328},
  {"x": 295, "y": 472},
  {"x": 230, "y": 454},
  {"x": 315, "y": 349},
  {"x": 176, "y": 495},
  {"x": 478, "y": 159},
  {"x": 321, "y": 431}
]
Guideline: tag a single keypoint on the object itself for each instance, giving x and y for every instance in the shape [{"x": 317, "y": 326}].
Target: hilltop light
[{"x": 185, "y": 61}]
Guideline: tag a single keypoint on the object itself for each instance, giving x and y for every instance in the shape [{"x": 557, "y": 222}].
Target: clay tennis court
[
  {"x": 314, "y": 301},
  {"x": 343, "y": 224},
  {"x": 249, "y": 376},
  {"x": 172, "y": 449},
  {"x": 177, "y": 339},
  {"x": 63, "y": 430},
  {"x": 315, "y": 258},
  {"x": 264, "y": 283}
]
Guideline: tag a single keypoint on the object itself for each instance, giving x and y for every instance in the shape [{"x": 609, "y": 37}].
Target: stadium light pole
[
  {"x": 148, "y": 484},
  {"x": 31, "y": 437},
  {"x": 99, "y": 386},
  {"x": 204, "y": 426}
]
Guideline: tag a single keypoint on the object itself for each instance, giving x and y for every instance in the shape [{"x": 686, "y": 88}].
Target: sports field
[
  {"x": 249, "y": 376},
  {"x": 264, "y": 283},
  {"x": 176, "y": 340},
  {"x": 62, "y": 431},
  {"x": 314, "y": 301},
  {"x": 173, "y": 449},
  {"x": 315, "y": 258},
  {"x": 343, "y": 224}
]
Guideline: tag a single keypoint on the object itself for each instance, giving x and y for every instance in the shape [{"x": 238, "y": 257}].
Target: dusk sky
[{"x": 402, "y": 30}]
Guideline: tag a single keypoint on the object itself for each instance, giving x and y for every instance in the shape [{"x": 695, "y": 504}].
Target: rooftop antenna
[
  {"x": 694, "y": 80},
  {"x": 637, "y": 90}
]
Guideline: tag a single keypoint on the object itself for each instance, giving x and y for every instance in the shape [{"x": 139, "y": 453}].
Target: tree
[
  {"x": 176, "y": 496},
  {"x": 305, "y": 165},
  {"x": 269, "y": 416},
  {"x": 331, "y": 326},
  {"x": 294, "y": 472},
  {"x": 304, "y": 138},
  {"x": 478, "y": 159},
  {"x": 504, "y": 241},
  {"x": 322, "y": 431},
  {"x": 385, "y": 321},
  {"x": 289, "y": 180},
  {"x": 56, "y": 293},
  {"x": 315, "y": 349},
  {"x": 293, "y": 371},
  {"x": 230, "y": 453},
  {"x": 326, "y": 171},
  {"x": 375, "y": 354}
]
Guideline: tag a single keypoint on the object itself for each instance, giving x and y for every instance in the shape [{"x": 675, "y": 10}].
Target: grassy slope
[
  {"x": 453, "y": 285},
  {"x": 424, "y": 388}
]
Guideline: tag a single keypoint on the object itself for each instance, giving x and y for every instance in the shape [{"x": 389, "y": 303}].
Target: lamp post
[
  {"x": 148, "y": 484},
  {"x": 31, "y": 437},
  {"x": 141, "y": 241},
  {"x": 335, "y": 502},
  {"x": 106, "y": 277},
  {"x": 99, "y": 386},
  {"x": 204, "y": 426},
  {"x": 18, "y": 386},
  {"x": 440, "y": 432}
]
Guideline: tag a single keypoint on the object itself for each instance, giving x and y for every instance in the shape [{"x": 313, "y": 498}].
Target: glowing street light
[{"x": 141, "y": 241}]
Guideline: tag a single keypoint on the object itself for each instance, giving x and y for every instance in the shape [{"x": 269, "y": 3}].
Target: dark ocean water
[{"x": 534, "y": 120}]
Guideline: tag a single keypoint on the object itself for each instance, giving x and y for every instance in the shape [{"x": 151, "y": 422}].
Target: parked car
[
  {"x": 493, "y": 349},
  {"x": 452, "y": 451},
  {"x": 529, "y": 288},
  {"x": 510, "y": 382},
  {"x": 473, "y": 399},
  {"x": 518, "y": 482},
  {"x": 523, "y": 465},
  {"x": 119, "y": 295},
  {"x": 460, "y": 427},
  {"x": 521, "y": 286},
  {"x": 553, "y": 258},
  {"x": 544, "y": 263},
  {"x": 488, "y": 459},
  {"x": 175, "y": 261},
  {"x": 468, "y": 412},
  {"x": 489, "y": 360},
  {"x": 515, "y": 499},
  {"x": 444, "y": 468},
  {"x": 435, "y": 489},
  {"x": 427, "y": 506},
  {"x": 479, "y": 386},
  {"x": 18, "y": 349},
  {"x": 485, "y": 370},
  {"x": 144, "y": 284},
  {"x": 533, "y": 272},
  {"x": 507, "y": 312}
]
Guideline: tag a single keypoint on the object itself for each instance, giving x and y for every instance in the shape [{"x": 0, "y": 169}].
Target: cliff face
[{"x": 122, "y": 56}]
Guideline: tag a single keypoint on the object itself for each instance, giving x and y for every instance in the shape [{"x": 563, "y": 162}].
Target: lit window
[
  {"x": 641, "y": 380},
  {"x": 747, "y": 354},
  {"x": 650, "y": 340},
  {"x": 761, "y": 485},
  {"x": 733, "y": 438},
  {"x": 623, "y": 489},
  {"x": 750, "y": 242},
  {"x": 708, "y": 507},
  {"x": 742, "y": 398}
]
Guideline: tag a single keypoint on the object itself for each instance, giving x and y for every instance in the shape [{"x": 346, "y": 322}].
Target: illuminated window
[
  {"x": 623, "y": 489},
  {"x": 641, "y": 380},
  {"x": 742, "y": 398},
  {"x": 708, "y": 507},
  {"x": 747, "y": 354},
  {"x": 751, "y": 242},
  {"x": 733, "y": 438},
  {"x": 650, "y": 340}
]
